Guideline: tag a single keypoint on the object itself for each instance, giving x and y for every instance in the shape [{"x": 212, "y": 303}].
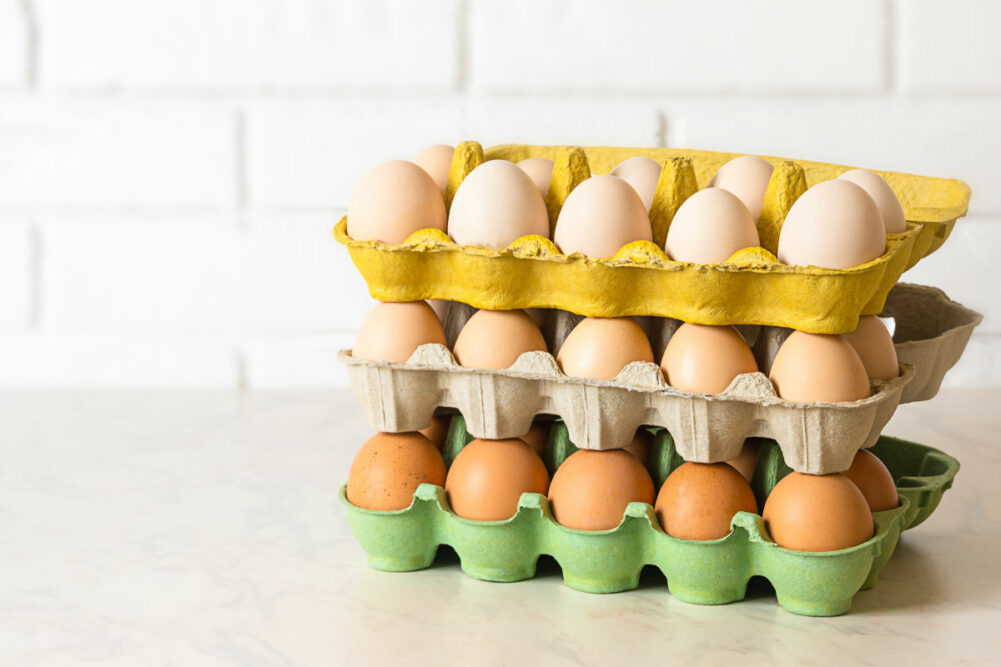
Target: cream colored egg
[
  {"x": 709, "y": 227},
  {"x": 818, "y": 368},
  {"x": 540, "y": 170},
  {"x": 875, "y": 347},
  {"x": 600, "y": 347},
  {"x": 642, "y": 173},
  {"x": 436, "y": 161},
  {"x": 835, "y": 225},
  {"x": 394, "y": 200},
  {"x": 746, "y": 177},
  {"x": 496, "y": 338},
  {"x": 393, "y": 331},
  {"x": 881, "y": 193},
  {"x": 496, "y": 204},
  {"x": 601, "y": 215}
]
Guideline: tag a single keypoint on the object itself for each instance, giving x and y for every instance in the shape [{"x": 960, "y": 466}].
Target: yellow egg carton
[{"x": 751, "y": 287}]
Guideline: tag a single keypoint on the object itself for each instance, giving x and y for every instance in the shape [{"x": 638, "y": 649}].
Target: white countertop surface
[{"x": 203, "y": 528}]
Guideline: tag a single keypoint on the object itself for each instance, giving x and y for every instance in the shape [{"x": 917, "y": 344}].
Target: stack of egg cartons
[{"x": 628, "y": 357}]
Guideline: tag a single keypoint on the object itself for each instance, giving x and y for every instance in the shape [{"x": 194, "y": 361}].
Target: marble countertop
[{"x": 203, "y": 528}]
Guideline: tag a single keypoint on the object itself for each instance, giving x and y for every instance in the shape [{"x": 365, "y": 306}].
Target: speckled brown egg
[
  {"x": 882, "y": 194},
  {"x": 496, "y": 338},
  {"x": 591, "y": 489},
  {"x": 818, "y": 368},
  {"x": 600, "y": 347},
  {"x": 642, "y": 174},
  {"x": 601, "y": 215},
  {"x": 437, "y": 431},
  {"x": 487, "y": 478},
  {"x": 698, "y": 501},
  {"x": 394, "y": 200},
  {"x": 703, "y": 359},
  {"x": 393, "y": 331},
  {"x": 747, "y": 177},
  {"x": 817, "y": 513},
  {"x": 874, "y": 480},
  {"x": 388, "y": 468},
  {"x": 875, "y": 348}
]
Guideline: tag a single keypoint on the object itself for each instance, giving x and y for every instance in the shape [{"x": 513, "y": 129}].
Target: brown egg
[
  {"x": 496, "y": 338},
  {"x": 437, "y": 431},
  {"x": 709, "y": 227},
  {"x": 642, "y": 173},
  {"x": 882, "y": 194},
  {"x": 818, "y": 368},
  {"x": 747, "y": 460},
  {"x": 540, "y": 170},
  {"x": 394, "y": 200},
  {"x": 388, "y": 468},
  {"x": 698, "y": 501},
  {"x": 875, "y": 348},
  {"x": 702, "y": 359},
  {"x": 747, "y": 177},
  {"x": 487, "y": 478},
  {"x": 590, "y": 490},
  {"x": 834, "y": 225},
  {"x": 496, "y": 204},
  {"x": 393, "y": 331},
  {"x": 600, "y": 347},
  {"x": 537, "y": 437},
  {"x": 817, "y": 513},
  {"x": 436, "y": 161},
  {"x": 601, "y": 215},
  {"x": 874, "y": 481},
  {"x": 640, "y": 446}
]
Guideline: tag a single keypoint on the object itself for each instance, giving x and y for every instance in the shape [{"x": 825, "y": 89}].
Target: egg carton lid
[{"x": 751, "y": 287}]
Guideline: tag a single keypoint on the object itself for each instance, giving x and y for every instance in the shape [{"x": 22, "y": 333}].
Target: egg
[
  {"x": 882, "y": 194},
  {"x": 702, "y": 359},
  {"x": 393, "y": 331},
  {"x": 394, "y": 200},
  {"x": 436, "y": 161},
  {"x": 747, "y": 460},
  {"x": 600, "y": 347},
  {"x": 834, "y": 225},
  {"x": 821, "y": 368},
  {"x": 640, "y": 445},
  {"x": 440, "y": 309},
  {"x": 875, "y": 348},
  {"x": 601, "y": 215},
  {"x": 437, "y": 430},
  {"x": 538, "y": 436},
  {"x": 590, "y": 490},
  {"x": 709, "y": 227},
  {"x": 487, "y": 478},
  {"x": 389, "y": 467},
  {"x": 817, "y": 513},
  {"x": 874, "y": 480},
  {"x": 540, "y": 170},
  {"x": 642, "y": 174},
  {"x": 496, "y": 204},
  {"x": 698, "y": 501},
  {"x": 496, "y": 338},
  {"x": 746, "y": 177}
]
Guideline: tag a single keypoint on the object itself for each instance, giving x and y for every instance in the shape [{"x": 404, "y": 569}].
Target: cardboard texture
[
  {"x": 715, "y": 572},
  {"x": 752, "y": 287}
]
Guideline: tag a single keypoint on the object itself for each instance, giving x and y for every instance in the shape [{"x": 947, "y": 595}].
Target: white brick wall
[{"x": 170, "y": 171}]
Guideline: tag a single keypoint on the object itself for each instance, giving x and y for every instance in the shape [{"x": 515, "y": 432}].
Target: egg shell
[
  {"x": 389, "y": 467},
  {"x": 747, "y": 460},
  {"x": 642, "y": 174},
  {"x": 537, "y": 437},
  {"x": 601, "y": 215},
  {"x": 709, "y": 227},
  {"x": 882, "y": 194},
  {"x": 703, "y": 359},
  {"x": 436, "y": 161},
  {"x": 874, "y": 480},
  {"x": 818, "y": 368},
  {"x": 540, "y": 170},
  {"x": 641, "y": 445},
  {"x": 487, "y": 478},
  {"x": 817, "y": 513},
  {"x": 393, "y": 331},
  {"x": 496, "y": 204},
  {"x": 496, "y": 338},
  {"x": 746, "y": 177},
  {"x": 698, "y": 501},
  {"x": 437, "y": 431},
  {"x": 834, "y": 225},
  {"x": 600, "y": 347},
  {"x": 875, "y": 348},
  {"x": 590, "y": 490},
  {"x": 394, "y": 200}
]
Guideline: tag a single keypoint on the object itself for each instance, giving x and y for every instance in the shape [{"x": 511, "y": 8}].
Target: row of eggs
[
  {"x": 590, "y": 490},
  {"x": 835, "y": 224},
  {"x": 698, "y": 358}
]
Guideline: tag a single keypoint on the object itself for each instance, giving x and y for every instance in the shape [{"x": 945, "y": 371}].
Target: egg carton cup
[
  {"x": 751, "y": 287},
  {"x": 713, "y": 572}
]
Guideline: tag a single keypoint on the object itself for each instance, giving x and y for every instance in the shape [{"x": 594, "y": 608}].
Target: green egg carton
[{"x": 712, "y": 572}]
